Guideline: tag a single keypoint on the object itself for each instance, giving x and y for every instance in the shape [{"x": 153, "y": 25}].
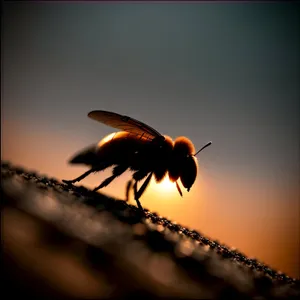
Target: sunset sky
[{"x": 225, "y": 72}]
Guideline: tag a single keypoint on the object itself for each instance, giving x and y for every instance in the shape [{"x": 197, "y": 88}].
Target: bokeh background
[{"x": 226, "y": 72}]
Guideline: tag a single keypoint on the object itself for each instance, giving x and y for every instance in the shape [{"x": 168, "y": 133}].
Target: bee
[{"x": 141, "y": 149}]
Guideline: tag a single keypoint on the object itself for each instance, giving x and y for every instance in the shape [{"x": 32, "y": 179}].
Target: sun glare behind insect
[{"x": 164, "y": 186}]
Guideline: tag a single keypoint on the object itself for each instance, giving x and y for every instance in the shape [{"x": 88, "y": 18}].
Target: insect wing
[{"x": 124, "y": 123}]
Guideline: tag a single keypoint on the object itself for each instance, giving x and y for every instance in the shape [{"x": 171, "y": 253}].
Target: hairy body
[
  {"x": 126, "y": 151},
  {"x": 143, "y": 150}
]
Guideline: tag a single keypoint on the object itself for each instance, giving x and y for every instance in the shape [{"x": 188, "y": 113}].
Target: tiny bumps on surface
[{"x": 212, "y": 269}]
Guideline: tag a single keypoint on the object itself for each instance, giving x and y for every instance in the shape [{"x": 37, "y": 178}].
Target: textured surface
[{"x": 65, "y": 242}]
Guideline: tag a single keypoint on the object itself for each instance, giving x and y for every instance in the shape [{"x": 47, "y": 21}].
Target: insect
[{"x": 141, "y": 149}]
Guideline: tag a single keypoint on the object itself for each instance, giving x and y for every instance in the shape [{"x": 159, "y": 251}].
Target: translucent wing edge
[{"x": 133, "y": 123}]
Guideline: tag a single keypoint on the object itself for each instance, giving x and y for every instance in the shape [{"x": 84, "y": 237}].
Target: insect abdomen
[
  {"x": 120, "y": 148},
  {"x": 88, "y": 156}
]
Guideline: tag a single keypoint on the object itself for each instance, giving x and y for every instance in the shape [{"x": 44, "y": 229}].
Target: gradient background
[{"x": 210, "y": 71}]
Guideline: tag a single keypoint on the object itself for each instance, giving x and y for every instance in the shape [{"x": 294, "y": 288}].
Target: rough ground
[{"x": 67, "y": 242}]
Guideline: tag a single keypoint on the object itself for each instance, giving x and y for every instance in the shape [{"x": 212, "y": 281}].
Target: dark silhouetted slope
[{"x": 67, "y": 242}]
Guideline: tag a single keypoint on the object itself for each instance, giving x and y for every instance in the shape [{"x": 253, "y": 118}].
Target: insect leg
[
  {"x": 93, "y": 169},
  {"x": 128, "y": 188},
  {"x": 80, "y": 177},
  {"x": 135, "y": 189},
  {"x": 144, "y": 186},
  {"x": 136, "y": 198},
  {"x": 117, "y": 171},
  {"x": 178, "y": 188},
  {"x": 137, "y": 176}
]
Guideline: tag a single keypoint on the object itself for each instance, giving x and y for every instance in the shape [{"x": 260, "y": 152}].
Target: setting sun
[{"x": 164, "y": 186}]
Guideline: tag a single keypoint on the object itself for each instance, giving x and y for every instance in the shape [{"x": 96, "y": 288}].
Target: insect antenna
[{"x": 208, "y": 144}]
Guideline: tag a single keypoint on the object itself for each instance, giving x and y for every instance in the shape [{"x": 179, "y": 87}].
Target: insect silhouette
[{"x": 141, "y": 149}]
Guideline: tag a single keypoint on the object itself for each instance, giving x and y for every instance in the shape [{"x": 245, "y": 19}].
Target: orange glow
[
  {"x": 107, "y": 138},
  {"x": 165, "y": 185},
  {"x": 164, "y": 191},
  {"x": 239, "y": 211}
]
